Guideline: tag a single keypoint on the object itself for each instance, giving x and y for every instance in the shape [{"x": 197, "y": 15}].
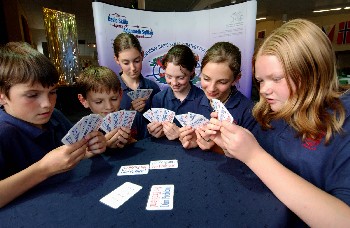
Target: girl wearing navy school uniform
[
  {"x": 221, "y": 69},
  {"x": 303, "y": 156},
  {"x": 179, "y": 64},
  {"x": 129, "y": 55}
]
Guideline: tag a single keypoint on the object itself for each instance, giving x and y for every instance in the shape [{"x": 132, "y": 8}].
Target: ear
[
  {"x": 83, "y": 101},
  {"x": 3, "y": 99},
  {"x": 116, "y": 60},
  {"x": 239, "y": 75}
]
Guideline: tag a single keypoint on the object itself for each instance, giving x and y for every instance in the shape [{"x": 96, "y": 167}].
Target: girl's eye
[
  {"x": 53, "y": 91},
  {"x": 98, "y": 102},
  {"x": 277, "y": 79}
]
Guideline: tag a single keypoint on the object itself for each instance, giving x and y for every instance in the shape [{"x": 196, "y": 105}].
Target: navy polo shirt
[
  {"x": 23, "y": 144},
  {"x": 144, "y": 84},
  {"x": 239, "y": 106},
  {"x": 166, "y": 99},
  {"x": 325, "y": 166}
]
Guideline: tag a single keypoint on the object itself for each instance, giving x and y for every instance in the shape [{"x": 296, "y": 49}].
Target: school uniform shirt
[
  {"x": 166, "y": 99},
  {"x": 325, "y": 166},
  {"x": 144, "y": 84},
  {"x": 23, "y": 144},
  {"x": 239, "y": 106}
]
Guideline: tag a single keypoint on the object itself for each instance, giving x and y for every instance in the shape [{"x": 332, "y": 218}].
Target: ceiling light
[
  {"x": 335, "y": 9},
  {"x": 320, "y": 11},
  {"x": 347, "y": 7},
  {"x": 261, "y": 18}
]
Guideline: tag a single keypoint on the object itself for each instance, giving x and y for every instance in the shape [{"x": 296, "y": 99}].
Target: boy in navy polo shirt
[
  {"x": 179, "y": 65},
  {"x": 128, "y": 55},
  {"x": 31, "y": 128},
  {"x": 100, "y": 91}
]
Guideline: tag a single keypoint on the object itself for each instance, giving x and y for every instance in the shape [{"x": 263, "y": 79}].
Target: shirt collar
[
  {"x": 142, "y": 82},
  {"x": 24, "y": 126}
]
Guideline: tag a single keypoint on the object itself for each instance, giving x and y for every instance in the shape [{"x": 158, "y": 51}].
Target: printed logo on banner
[{"x": 121, "y": 22}]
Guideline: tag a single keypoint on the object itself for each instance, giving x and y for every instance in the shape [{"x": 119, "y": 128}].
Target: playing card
[
  {"x": 128, "y": 119},
  {"x": 120, "y": 195},
  {"x": 133, "y": 170},
  {"x": 168, "y": 115},
  {"x": 199, "y": 121},
  {"x": 183, "y": 119},
  {"x": 158, "y": 114},
  {"x": 132, "y": 95},
  {"x": 107, "y": 123},
  {"x": 163, "y": 164},
  {"x": 161, "y": 197},
  {"x": 149, "y": 115}
]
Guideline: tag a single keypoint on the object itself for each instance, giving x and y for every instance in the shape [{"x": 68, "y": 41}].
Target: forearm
[
  {"x": 314, "y": 206},
  {"x": 17, "y": 184}
]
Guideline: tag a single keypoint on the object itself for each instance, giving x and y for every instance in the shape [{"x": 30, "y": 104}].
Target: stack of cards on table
[
  {"x": 83, "y": 127},
  {"x": 159, "y": 115},
  {"x": 122, "y": 118},
  {"x": 223, "y": 113},
  {"x": 140, "y": 93},
  {"x": 192, "y": 119}
]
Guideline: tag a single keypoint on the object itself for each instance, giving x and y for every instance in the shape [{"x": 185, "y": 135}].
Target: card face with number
[
  {"x": 161, "y": 197},
  {"x": 164, "y": 164},
  {"x": 120, "y": 195},
  {"x": 133, "y": 170}
]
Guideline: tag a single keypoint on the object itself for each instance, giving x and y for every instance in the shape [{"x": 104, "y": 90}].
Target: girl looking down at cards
[
  {"x": 179, "y": 65},
  {"x": 305, "y": 115},
  {"x": 100, "y": 91},
  {"x": 31, "y": 129},
  {"x": 221, "y": 70},
  {"x": 128, "y": 55}
]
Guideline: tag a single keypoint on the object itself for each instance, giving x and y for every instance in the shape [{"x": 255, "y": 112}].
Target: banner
[{"x": 159, "y": 31}]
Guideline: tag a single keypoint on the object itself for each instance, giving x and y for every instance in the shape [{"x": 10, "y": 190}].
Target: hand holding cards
[
  {"x": 83, "y": 127},
  {"x": 223, "y": 113},
  {"x": 140, "y": 93},
  {"x": 93, "y": 122},
  {"x": 159, "y": 115},
  {"x": 192, "y": 119}
]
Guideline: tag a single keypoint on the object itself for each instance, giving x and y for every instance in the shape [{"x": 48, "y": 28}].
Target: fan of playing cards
[
  {"x": 223, "y": 113},
  {"x": 140, "y": 93},
  {"x": 122, "y": 118},
  {"x": 192, "y": 119},
  {"x": 159, "y": 115},
  {"x": 93, "y": 122}
]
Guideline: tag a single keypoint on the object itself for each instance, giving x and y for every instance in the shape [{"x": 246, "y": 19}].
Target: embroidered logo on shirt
[{"x": 311, "y": 144}]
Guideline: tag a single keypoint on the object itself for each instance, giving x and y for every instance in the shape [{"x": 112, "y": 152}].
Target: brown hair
[
  {"x": 222, "y": 52},
  {"x": 125, "y": 41},
  {"x": 97, "y": 79},
  {"x": 20, "y": 63},
  {"x": 182, "y": 56}
]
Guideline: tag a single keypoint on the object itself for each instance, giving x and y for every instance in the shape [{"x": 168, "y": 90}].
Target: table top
[{"x": 211, "y": 190}]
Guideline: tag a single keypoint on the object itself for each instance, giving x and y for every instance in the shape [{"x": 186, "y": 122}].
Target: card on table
[
  {"x": 133, "y": 170},
  {"x": 164, "y": 164},
  {"x": 161, "y": 197},
  {"x": 120, "y": 195}
]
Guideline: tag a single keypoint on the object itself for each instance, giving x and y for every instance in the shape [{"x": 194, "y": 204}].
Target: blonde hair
[{"x": 308, "y": 60}]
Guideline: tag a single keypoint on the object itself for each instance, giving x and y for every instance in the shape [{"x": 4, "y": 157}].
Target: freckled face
[{"x": 271, "y": 78}]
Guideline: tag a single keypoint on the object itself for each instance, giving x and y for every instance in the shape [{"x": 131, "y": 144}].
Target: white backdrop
[{"x": 159, "y": 31}]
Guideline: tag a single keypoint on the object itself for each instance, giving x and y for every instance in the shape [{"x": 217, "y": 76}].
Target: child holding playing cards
[
  {"x": 128, "y": 55},
  {"x": 303, "y": 156},
  {"x": 31, "y": 128},
  {"x": 221, "y": 70},
  {"x": 100, "y": 91},
  {"x": 179, "y": 65}
]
